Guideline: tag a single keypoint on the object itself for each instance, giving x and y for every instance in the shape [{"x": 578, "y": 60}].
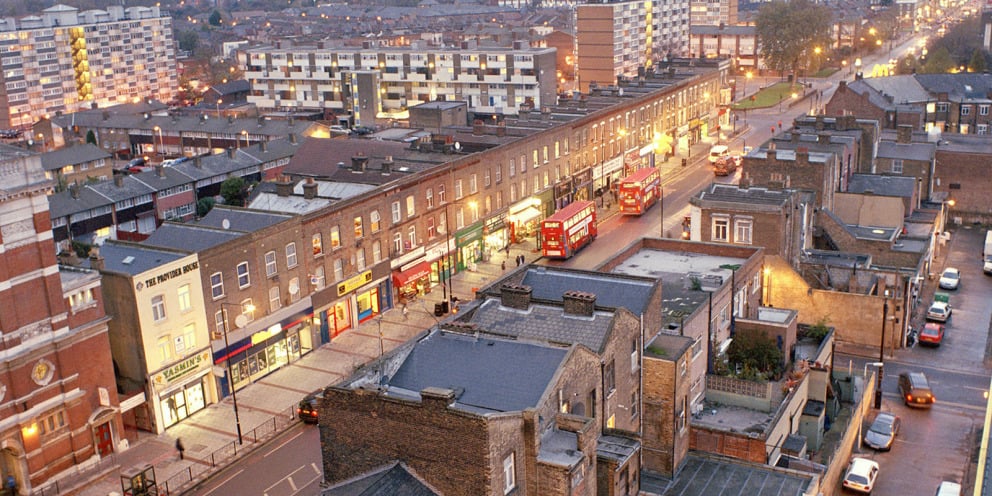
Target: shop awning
[
  {"x": 419, "y": 271},
  {"x": 526, "y": 215}
]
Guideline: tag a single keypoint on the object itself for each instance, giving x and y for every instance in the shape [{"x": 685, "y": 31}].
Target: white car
[
  {"x": 939, "y": 311},
  {"x": 861, "y": 475},
  {"x": 950, "y": 278}
]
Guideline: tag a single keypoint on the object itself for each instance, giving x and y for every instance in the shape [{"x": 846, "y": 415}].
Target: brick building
[
  {"x": 666, "y": 398},
  {"x": 961, "y": 173},
  {"x": 60, "y": 405},
  {"x": 794, "y": 169}
]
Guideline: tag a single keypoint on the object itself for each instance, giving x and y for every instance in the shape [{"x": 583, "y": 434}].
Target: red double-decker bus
[
  {"x": 638, "y": 191},
  {"x": 568, "y": 230}
]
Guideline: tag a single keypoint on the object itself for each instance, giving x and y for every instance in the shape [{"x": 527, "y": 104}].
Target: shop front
[
  {"x": 610, "y": 172},
  {"x": 344, "y": 305},
  {"x": 182, "y": 389},
  {"x": 267, "y": 350},
  {"x": 581, "y": 185},
  {"x": 495, "y": 236},
  {"x": 524, "y": 219},
  {"x": 412, "y": 281},
  {"x": 631, "y": 163},
  {"x": 469, "y": 247}
]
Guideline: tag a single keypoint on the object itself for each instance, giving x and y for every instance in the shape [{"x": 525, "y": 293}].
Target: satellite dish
[
  {"x": 294, "y": 287},
  {"x": 240, "y": 321},
  {"x": 226, "y": 224}
]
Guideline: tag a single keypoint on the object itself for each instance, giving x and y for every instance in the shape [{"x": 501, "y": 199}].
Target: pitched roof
[
  {"x": 67, "y": 202},
  {"x": 241, "y": 220},
  {"x": 332, "y": 159},
  {"x": 902, "y": 186},
  {"x": 544, "y": 323},
  {"x": 189, "y": 237},
  {"x": 906, "y": 151},
  {"x": 134, "y": 259},
  {"x": 611, "y": 290},
  {"x": 395, "y": 479},
  {"x": 72, "y": 155}
]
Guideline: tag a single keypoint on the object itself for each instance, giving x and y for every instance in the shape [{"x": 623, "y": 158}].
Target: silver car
[
  {"x": 883, "y": 431},
  {"x": 950, "y": 278},
  {"x": 939, "y": 311}
]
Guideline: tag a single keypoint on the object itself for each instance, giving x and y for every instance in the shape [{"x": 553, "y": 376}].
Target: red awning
[{"x": 419, "y": 271}]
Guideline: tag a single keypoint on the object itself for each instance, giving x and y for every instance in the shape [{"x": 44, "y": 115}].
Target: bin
[{"x": 438, "y": 310}]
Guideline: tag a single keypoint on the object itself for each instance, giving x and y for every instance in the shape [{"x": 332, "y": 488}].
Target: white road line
[
  {"x": 284, "y": 443},
  {"x": 225, "y": 481},
  {"x": 292, "y": 484}
]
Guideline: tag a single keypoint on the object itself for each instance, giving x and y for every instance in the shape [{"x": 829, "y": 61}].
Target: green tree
[
  {"x": 978, "y": 62},
  {"x": 188, "y": 40},
  {"x": 204, "y": 205},
  {"x": 90, "y": 137},
  {"x": 938, "y": 61},
  {"x": 234, "y": 189},
  {"x": 907, "y": 65},
  {"x": 753, "y": 349},
  {"x": 788, "y": 33},
  {"x": 215, "y": 18}
]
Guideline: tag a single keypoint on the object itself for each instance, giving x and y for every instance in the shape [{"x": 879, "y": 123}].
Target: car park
[
  {"x": 883, "y": 431},
  {"x": 931, "y": 334},
  {"x": 861, "y": 475},
  {"x": 307, "y": 408},
  {"x": 915, "y": 389},
  {"x": 939, "y": 311},
  {"x": 950, "y": 278}
]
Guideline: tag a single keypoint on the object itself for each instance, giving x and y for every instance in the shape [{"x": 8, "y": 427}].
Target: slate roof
[
  {"x": 488, "y": 374},
  {"x": 217, "y": 166},
  {"x": 902, "y": 89},
  {"x": 140, "y": 258},
  {"x": 163, "y": 178},
  {"x": 133, "y": 117},
  {"x": 264, "y": 197},
  {"x": 902, "y": 186},
  {"x": 964, "y": 86},
  {"x": 704, "y": 476},
  {"x": 130, "y": 188},
  {"x": 544, "y": 323},
  {"x": 8, "y": 152},
  {"x": 610, "y": 290},
  {"x": 321, "y": 158},
  {"x": 189, "y": 237},
  {"x": 72, "y": 155},
  {"x": 236, "y": 86},
  {"x": 64, "y": 203},
  {"x": 742, "y": 197},
  {"x": 395, "y": 479},
  {"x": 241, "y": 220},
  {"x": 906, "y": 151}
]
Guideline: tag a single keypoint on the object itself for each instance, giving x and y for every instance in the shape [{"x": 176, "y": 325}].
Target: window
[
  {"x": 359, "y": 230},
  {"x": 291, "y": 255},
  {"x": 275, "y": 303},
  {"x": 52, "y": 422},
  {"x": 943, "y": 107},
  {"x": 633, "y": 355},
  {"x": 982, "y": 129},
  {"x": 458, "y": 189},
  {"x": 756, "y": 282},
  {"x": 216, "y": 285},
  {"x": 897, "y": 166},
  {"x": 440, "y": 194},
  {"x": 335, "y": 237},
  {"x": 533, "y": 159},
  {"x": 376, "y": 251},
  {"x": 512, "y": 169},
  {"x": 983, "y": 110},
  {"x": 683, "y": 367},
  {"x": 430, "y": 198},
  {"x": 270, "y": 264},
  {"x": 473, "y": 184},
  {"x": 742, "y": 231},
  {"x": 164, "y": 346},
  {"x": 185, "y": 304},
  {"x": 397, "y": 243},
  {"x": 374, "y": 221},
  {"x": 360, "y": 258},
  {"x": 966, "y": 110},
  {"x": 318, "y": 245},
  {"x": 248, "y": 309},
  {"x": 720, "y": 228},
  {"x": 499, "y": 173},
  {"x": 680, "y": 421},
  {"x": 243, "y": 279},
  {"x": 487, "y": 178},
  {"x": 338, "y": 270},
  {"x": 633, "y": 404},
  {"x": 158, "y": 308},
  {"x": 397, "y": 213},
  {"x": 509, "y": 474},
  {"x": 523, "y": 164},
  {"x": 431, "y": 228},
  {"x": 411, "y": 237},
  {"x": 317, "y": 279},
  {"x": 219, "y": 324},
  {"x": 411, "y": 208},
  {"x": 186, "y": 342},
  {"x": 611, "y": 380}
]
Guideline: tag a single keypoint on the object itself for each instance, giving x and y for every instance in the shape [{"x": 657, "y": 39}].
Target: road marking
[
  {"x": 292, "y": 484},
  {"x": 225, "y": 481},
  {"x": 284, "y": 443}
]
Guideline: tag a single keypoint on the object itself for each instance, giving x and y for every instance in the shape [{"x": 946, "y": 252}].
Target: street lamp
[
  {"x": 240, "y": 321},
  {"x": 661, "y": 203},
  {"x": 747, "y": 77},
  {"x": 448, "y": 293},
  {"x": 219, "y": 101},
  {"x": 245, "y": 134},
  {"x": 878, "y": 389}
]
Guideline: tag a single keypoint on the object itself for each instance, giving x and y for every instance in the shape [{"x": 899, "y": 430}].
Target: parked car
[
  {"x": 915, "y": 389},
  {"x": 939, "y": 311},
  {"x": 883, "y": 431},
  {"x": 307, "y": 408},
  {"x": 932, "y": 334},
  {"x": 950, "y": 278},
  {"x": 336, "y": 129},
  {"x": 861, "y": 475},
  {"x": 948, "y": 489}
]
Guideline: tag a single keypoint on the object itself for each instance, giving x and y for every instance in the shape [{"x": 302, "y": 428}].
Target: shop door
[
  {"x": 104, "y": 440},
  {"x": 342, "y": 317}
]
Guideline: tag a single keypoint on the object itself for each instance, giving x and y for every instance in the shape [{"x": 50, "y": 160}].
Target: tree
[
  {"x": 939, "y": 61},
  {"x": 90, "y": 137},
  {"x": 978, "y": 62},
  {"x": 188, "y": 40},
  {"x": 788, "y": 33},
  {"x": 233, "y": 189},
  {"x": 215, "y": 18},
  {"x": 753, "y": 349},
  {"x": 204, "y": 205},
  {"x": 907, "y": 65}
]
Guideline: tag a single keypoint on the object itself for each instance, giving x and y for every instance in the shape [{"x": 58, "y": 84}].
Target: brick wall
[
  {"x": 734, "y": 445},
  {"x": 799, "y": 173},
  {"x": 666, "y": 397},
  {"x": 966, "y": 179}
]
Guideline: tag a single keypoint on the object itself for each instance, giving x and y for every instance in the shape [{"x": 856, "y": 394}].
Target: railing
[{"x": 83, "y": 474}]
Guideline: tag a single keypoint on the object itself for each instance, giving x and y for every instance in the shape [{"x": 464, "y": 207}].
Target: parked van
[
  {"x": 915, "y": 389},
  {"x": 718, "y": 151}
]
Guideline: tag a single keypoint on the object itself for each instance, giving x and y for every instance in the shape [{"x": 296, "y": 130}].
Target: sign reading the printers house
[
  {"x": 165, "y": 276},
  {"x": 182, "y": 369}
]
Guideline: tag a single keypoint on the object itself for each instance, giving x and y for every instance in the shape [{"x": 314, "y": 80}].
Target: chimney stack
[
  {"x": 515, "y": 296},
  {"x": 230, "y": 152},
  {"x": 284, "y": 186},
  {"x": 292, "y": 138},
  {"x": 263, "y": 146},
  {"x": 160, "y": 170},
  {"x": 904, "y": 133},
  {"x": 579, "y": 303},
  {"x": 358, "y": 163},
  {"x": 96, "y": 261},
  {"x": 309, "y": 189},
  {"x": 387, "y": 165},
  {"x": 119, "y": 180}
]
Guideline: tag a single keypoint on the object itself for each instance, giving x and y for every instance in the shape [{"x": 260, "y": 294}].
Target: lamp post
[
  {"x": 240, "y": 322},
  {"x": 448, "y": 293},
  {"x": 219, "y": 101},
  {"x": 747, "y": 77},
  {"x": 881, "y": 355},
  {"x": 244, "y": 133},
  {"x": 864, "y": 377}
]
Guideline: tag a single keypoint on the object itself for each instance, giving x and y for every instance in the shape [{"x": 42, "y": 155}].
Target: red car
[{"x": 932, "y": 334}]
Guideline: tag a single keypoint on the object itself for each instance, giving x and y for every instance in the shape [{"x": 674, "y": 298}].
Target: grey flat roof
[
  {"x": 732, "y": 193},
  {"x": 544, "y": 323},
  {"x": 708, "y": 476},
  {"x": 610, "y": 289},
  {"x": 235, "y": 219},
  {"x": 488, "y": 374},
  {"x": 901, "y": 186},
  {"x": 133, "y": 259},
  {"x": 188, "y": 237},
  {"x": 560, "y": 448}
]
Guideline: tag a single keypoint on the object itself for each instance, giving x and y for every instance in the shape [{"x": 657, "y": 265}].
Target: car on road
[
  {"x": 915, "y": 389},
  {"x": 883, "y": 431},
  {"x": 307, "y": 408},
  {"x": 718, "y": 151},
  {"x": 939, "y": 311},
  {"x": 931, "y": 334},
  {"x": 950, "y": 278},
  {"x": 861, "y": 475}
]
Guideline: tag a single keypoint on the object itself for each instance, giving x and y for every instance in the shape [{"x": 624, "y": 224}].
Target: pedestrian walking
[
  {"x": 503, "y": 265},
  {"x": 406, "y": 312},
  {"x": 180, "y": 448},
  {"x": 507, "y": 249}
]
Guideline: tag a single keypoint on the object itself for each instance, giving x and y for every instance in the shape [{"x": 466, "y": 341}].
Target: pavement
[{"x": 267, "y": 407}]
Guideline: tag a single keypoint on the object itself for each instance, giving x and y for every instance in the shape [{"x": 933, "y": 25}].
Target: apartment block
[
  {"x": 370, "y": 81},
  {"x": 713, "y": 12},
  {"x": 65, "y": 60}
]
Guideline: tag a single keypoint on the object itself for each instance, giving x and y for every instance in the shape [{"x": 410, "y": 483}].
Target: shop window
[
  {"x": 291, "y": 255},
  {"x": 270, "y": 264},
  {"x": 158, "y": 308},
  {"x": 411, "y": 207},
  {"x": 335, "y": 237},
  {"x": 360, "y": 258},
  {"x": 359, "y": 230},
  {"x": 318, "y": 245},
  {"x": 185, "y": 304},
  {"x": 244, "y": 280},
  {"x": 397, "y": 214},
  {"x": 374, "y": 221},
  {"x": 216, "y": 285},
  {"x": 338, "y": 270},
  {"x": 275, "y": 303},
  {"x": 376, "y": 251}
]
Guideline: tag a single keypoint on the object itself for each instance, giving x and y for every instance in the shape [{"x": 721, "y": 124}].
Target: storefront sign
[
  {"x": 646, "y": 150},
  {"x": 354, "y": 283},
  {"x": 182, "y": 369},
  {"x": 405, "y": 258},
  {"x": 261, "y": 336},
  {"x": 468, "y": 235},
  {"x": 494, "y": 224},
  {"x": 151, "y": 281},
  {"x": 612, "y": 164}
]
